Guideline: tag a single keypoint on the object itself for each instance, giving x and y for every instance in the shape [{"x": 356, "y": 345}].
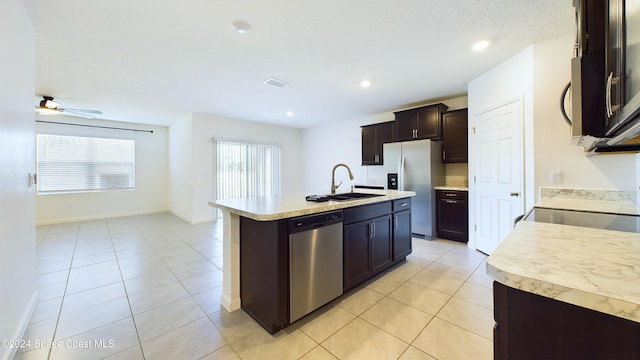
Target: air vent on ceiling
[{"x": 275, "y": 82}]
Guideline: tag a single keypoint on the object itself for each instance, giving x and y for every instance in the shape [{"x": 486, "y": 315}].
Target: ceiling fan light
[{"x": 49, "y": 104}]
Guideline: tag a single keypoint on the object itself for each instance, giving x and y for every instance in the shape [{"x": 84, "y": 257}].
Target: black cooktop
[{"x": 596, "y": 220}]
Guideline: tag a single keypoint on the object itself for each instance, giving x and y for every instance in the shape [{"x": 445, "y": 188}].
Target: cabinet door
[
  {"x": 356, "y": 253},
  {"x": 401, "y": 235},
  {"x": 381, "y": 252},
  {"x": 384, "y": 135},
  {"x": 455, "y": 137},
  {"x": 428, "y": 123},
  {"x": 405, "y": 125},
  {"x": 373, "y": 136},
  {"x": 369, "y": 145},
  {"x": 452, "y": 216}
]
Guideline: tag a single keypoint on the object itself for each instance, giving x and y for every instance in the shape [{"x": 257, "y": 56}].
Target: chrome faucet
[{"x": 333, "y": 177}]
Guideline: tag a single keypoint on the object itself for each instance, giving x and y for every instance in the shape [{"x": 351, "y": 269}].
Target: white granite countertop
[
  {"x": 593, "y": 268},
  {"x": 287, "y": 206},
  {"x": 613, "y": 207},
  {"x": 452, "y": 188}
]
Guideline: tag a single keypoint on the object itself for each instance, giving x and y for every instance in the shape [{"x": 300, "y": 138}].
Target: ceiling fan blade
[
  {"x": 71, "y": 112},
  {"x": 97, "y": 112}
]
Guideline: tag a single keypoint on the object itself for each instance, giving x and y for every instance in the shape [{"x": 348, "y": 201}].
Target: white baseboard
[
  {"x": 193, "y": 221},
  {"x": 10, "y": 353},
  {"x": 98, "y": 217}
]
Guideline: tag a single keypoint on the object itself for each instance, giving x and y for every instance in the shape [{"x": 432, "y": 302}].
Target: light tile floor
[{"x": 148, "y": 287}]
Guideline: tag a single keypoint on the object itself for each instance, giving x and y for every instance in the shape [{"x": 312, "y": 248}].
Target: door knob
[{"x": 515, "y": 193}]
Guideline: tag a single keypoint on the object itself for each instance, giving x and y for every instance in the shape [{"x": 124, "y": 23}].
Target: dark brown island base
[{"x": 296, "y": 256}]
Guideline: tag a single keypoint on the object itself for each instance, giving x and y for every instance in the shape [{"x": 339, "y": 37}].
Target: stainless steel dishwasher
[{"x": 315, "y": 262}]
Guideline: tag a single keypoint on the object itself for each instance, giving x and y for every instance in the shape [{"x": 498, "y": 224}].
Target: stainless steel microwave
[{"x": 605, "y": 75}]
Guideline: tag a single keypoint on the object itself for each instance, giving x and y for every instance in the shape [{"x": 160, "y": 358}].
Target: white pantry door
[{"x": 499, "y": 172}]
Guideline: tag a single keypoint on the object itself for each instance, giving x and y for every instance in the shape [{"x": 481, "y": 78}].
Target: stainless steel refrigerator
[{"x": 419, "y": 168}]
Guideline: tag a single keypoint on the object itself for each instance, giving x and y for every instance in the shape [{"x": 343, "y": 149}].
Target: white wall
[
  {"x": 552, "y": 147},
  {"x": 510, "y": 80},
  {"x": 17, "y": 159},
  {"x": 152, "y": 172},
  {"x": 538, "y": 74},
  {"x": 341, "y": 142},
  {"x": 180, "y": 165},
  {"x": 200, "y": 174}
]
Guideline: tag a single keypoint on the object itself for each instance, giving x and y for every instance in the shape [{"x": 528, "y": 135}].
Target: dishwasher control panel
[{"x": 314, "y": 221}]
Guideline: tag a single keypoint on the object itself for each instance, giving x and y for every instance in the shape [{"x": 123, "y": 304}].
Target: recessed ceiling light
[
  {"x": 365, "y": 83},
  {"x": 275, "y": 82},
  {"x": 241, "y": 27},
  {"x": 481, "y": 45},
  {"x": 289, "y": 113}
]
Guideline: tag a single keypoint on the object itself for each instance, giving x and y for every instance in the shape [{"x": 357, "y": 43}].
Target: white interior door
[{"x": 499, "y": 172}]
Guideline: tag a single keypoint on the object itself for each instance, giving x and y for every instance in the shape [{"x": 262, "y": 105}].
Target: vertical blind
[
  {"x": 78, "y": 164},
  {"x": 247, "y": 170}
]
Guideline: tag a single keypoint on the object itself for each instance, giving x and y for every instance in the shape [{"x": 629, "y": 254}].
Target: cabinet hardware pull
[
  {"x": 374, "y": 230},
  {"x": 450, "y": 194},
  {"x": 515, "y": 193},
  {"x": 452, "y": 201},
  {"x": 404, "y": 204},
  {"x": 395, "y": 221}
]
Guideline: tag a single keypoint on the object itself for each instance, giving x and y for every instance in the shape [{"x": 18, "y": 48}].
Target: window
[
  {"x": 247, "y": 170},
  {"x": 83, "y": 164}
]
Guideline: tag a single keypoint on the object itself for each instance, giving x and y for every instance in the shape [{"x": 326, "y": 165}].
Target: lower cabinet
[
  {"x": 264, "y": 272},
  {"x": 375, "y": 237},
  {"x": 530, "y": 326},
  {"x": 401, "y": 229},
  {"x": 452, "y": 215},
  {"x": 367, "y": 249}
]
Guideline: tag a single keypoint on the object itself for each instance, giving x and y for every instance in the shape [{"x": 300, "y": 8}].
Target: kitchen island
[
  {"x": 256, "y": 229},
  {"x": 565, "y": 291}
]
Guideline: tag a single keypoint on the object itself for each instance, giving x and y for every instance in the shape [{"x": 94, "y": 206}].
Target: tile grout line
[
  {"x": 133, "y": 319},
  {"x": 64, "y": 294}
]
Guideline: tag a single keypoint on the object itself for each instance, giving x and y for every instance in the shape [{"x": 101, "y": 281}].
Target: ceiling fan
[{"x": 48, "y": 106}]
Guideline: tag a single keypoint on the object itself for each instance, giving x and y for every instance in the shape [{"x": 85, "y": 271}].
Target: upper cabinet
[
  {"x": 373, "y": 136},
  {"x": 419, "y": 123},
  {"x": 455, "y": 136}
]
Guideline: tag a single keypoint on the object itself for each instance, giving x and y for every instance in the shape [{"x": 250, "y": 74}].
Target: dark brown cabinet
[
  {"x": 367, "y": 249},
  {"x": 419, "y": 123},
  {"x": 401, "y": 229},
  {"x": 452, "y": 215},
  {"x": 368, "y": 245},
  {"x": 455, "y": 136},
  {"x": 373, "y": 137},
  {"x": 264, "y": 272},
  {"x": 530, "y": 326}
]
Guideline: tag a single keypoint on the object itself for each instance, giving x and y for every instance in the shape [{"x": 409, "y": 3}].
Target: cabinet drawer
[
  {"x": 452, "y": 194},
  {"x": 401, "y": 204},
  {"x": 366, "y": 212}
]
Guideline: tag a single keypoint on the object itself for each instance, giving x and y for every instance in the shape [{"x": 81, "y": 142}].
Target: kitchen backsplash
[
  {"x": 589, "y": 194},
  {"x": 457, "y": 175}
]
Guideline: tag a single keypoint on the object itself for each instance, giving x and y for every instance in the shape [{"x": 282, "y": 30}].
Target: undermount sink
[{"x": 352, "y": 196}]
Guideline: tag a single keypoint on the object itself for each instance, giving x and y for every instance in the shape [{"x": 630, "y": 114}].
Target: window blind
[
  {"x": 82, "y": 164},
  {"x": 246, "y": 170}
]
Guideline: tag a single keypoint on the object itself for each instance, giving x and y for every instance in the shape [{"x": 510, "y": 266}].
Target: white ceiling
[{"x": 155, "y": 61}]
